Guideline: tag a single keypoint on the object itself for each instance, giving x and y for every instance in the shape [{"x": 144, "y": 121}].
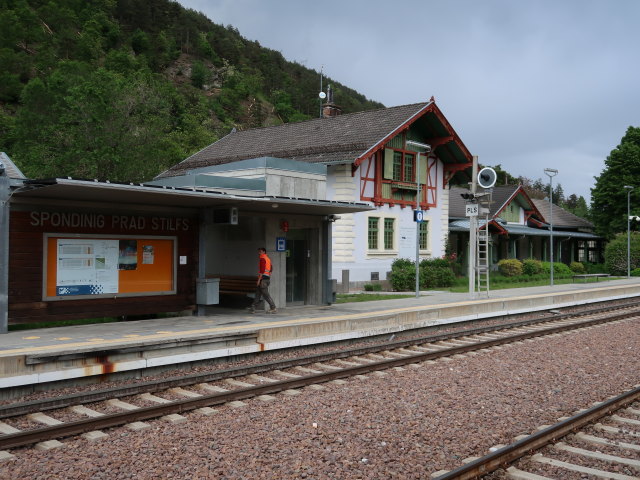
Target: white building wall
[
  {"x": 341, "y": 186},
  {"x": 350, "y": 233}
]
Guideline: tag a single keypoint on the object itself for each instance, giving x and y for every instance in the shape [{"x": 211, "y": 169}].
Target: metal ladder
[
  {"x": 482, "y": 260},
  {"x": 483, "y": 237}
]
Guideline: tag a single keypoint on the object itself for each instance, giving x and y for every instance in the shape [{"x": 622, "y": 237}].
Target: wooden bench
[
  {"x": 587, "y": 276},
  {"x": 236, "y": 284}
]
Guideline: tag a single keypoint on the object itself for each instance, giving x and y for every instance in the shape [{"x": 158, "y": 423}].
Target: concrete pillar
[
  {"x": 345, "y": 281},
  {"x": 4, "y": 249}
]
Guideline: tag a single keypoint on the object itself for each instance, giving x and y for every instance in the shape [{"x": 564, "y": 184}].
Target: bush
[
  {"x": 635, "y": 273},
  {"x": 615, "y": 254},
  {"x": 373, "y": 287},
  {"x": 436, "y": 277},
  {"x": 402, "y": 263},
  {"x": 531, "y": 267},
  {"x": 435, "y": 263},
  {"x": 511, "y": 267},
  {"x": 434, "y": 273},
  {"x": 559, "y": 269},
  {"x": 403, "y": 275},
  {"x": 594, "y": 267},
  {"x": 577, "y": 267}
]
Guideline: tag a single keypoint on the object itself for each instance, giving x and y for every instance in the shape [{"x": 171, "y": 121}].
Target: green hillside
[{"x": 123, "y": 89}]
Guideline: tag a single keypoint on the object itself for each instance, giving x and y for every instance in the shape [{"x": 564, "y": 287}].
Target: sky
[{"x": 526, "y": 84}]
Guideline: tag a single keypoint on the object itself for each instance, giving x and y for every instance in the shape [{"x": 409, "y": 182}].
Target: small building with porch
[{"x": 520, "y": 227}]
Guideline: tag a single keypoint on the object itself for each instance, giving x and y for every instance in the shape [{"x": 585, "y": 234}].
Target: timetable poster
[{"x": 87, "y": 266}]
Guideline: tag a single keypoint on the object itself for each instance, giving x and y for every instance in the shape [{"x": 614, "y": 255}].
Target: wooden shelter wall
[{"x": 26, "y": 273}]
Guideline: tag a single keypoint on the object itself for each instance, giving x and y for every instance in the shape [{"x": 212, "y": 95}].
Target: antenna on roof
[{"x": 321, "y": 95}]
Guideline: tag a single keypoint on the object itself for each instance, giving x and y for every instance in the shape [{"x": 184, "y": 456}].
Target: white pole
[
  {"x": 418, "y": 226},
  {"x": 628, "y": 188},
  {"x": 427, "y": 149},
  {"x": 473, "y": 231},
  {"x": 551, "y": 172}
]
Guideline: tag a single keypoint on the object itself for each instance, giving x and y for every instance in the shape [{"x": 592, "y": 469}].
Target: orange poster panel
[
  {"x": 147, "y": 268},
  {"x": 154, "y": 272}
]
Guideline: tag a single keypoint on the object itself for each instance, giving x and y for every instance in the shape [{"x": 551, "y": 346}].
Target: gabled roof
[
  {"x": 343, "y": 139},
  {"x": 501, "y": 197},
  {"x": 561, "y": 218}
]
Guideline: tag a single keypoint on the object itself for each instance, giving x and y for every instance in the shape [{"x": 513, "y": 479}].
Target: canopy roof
[{"x": 161, "y": 195}]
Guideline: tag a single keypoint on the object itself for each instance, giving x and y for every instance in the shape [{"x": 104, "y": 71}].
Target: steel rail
[
  {"x": 22, "y": 408},
  {"x": 144, "y": 413},
  {"x": 509, "y": 454}
]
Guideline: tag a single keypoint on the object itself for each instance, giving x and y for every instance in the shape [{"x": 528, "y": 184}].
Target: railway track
[
  {"x": 134, "y": 405},
  {"x": 24, "y": 408},
  {"x": 618, "y": 418}
]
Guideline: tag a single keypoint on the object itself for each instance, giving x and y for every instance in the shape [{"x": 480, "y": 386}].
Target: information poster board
[
  {"x": 91, "y": 266},
  {"x": 86, "y": 266}
]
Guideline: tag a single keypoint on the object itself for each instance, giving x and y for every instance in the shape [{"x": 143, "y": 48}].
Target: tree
[
  {"x": 615, "y": 254},
  {"x": 608, "y": 197},
  {"x": 558, "y": 194}
]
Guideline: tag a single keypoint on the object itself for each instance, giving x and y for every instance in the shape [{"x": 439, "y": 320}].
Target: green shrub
[
  {"x": 436, "y": 277},
  {"x": 531, "y": 266},
  {"x": 559, "y": 269},
  {"x": 577, "y": 267},
  {"x": 403, "y": 275},
  {"x": 510, "y": 267},
  {"x": 615, "y": 254},
  {"x": 594, "y": 267},
  {"x": 373, "y": 287},
  {"x": 635, "y": 273},
  {"x": 434, "y": 273},
  {"x": 435, "y": 263},
  {"x": 402, "y": 263}
]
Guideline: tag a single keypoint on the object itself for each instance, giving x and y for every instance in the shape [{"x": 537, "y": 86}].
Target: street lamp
[
  {"x": 551, "y": 172},
  {"x": 427, "y": 149},
  {"x": 628, "y": 188}
]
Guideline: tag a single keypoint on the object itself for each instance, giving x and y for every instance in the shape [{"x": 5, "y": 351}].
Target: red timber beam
[{"x": 401, "y": 128}]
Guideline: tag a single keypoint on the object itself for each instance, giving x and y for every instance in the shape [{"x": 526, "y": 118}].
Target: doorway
[{"x": 298, "y": 256}]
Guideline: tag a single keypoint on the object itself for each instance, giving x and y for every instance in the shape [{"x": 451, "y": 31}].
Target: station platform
[{"x": 33, "y": 359}]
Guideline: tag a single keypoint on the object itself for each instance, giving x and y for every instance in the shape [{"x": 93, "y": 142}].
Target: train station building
[{"x": 86, "y": 248}]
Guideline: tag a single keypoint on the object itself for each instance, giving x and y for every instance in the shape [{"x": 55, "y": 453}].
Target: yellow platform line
[{"x": 160, "y": 336}]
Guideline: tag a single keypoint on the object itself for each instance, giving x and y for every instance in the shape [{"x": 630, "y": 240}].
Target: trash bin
[{"x": 208, "y": 291}]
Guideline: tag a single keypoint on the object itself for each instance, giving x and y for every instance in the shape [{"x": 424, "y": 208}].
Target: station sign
[{"x": 471, "y": 209}]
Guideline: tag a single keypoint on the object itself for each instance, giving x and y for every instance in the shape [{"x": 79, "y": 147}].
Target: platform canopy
[{"x": 160, "y": 195}]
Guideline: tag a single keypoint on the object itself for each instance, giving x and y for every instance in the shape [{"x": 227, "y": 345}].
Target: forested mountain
[{"x": 123, "y": 89}]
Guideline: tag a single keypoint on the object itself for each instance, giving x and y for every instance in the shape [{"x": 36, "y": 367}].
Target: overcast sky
[{"x": 525, "y": 84}]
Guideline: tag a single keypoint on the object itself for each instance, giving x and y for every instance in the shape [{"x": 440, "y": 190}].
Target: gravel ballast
[{"x": 405, "y": 424}]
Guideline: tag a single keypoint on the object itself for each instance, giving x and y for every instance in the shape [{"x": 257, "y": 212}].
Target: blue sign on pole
[
  {"x": 281, "y": 244},
  {"x": 418, "y": 216}
]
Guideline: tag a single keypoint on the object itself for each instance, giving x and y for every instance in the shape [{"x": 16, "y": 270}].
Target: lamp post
[
  {"x": 551, "y": 172},
  {"x": 628, "y": 188},
  {"x": 427, "y": 149}
]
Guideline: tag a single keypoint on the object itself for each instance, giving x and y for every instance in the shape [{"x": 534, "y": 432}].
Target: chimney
[{"x": 330, "y": 109}]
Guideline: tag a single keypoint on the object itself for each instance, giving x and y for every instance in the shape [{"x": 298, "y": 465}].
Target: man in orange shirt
[{"x": 264, "y": 278}]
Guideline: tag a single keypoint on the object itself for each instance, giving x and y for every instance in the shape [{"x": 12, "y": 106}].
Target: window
[
  {"x": 373, "y": 233},
  {"x": 381, "y": 235},
  {"x": 388, "y": 233},
  {"x": 424, "y": 235},
  {"x": 408, "y": 167},
  {"x": 397, "y": 165}
]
